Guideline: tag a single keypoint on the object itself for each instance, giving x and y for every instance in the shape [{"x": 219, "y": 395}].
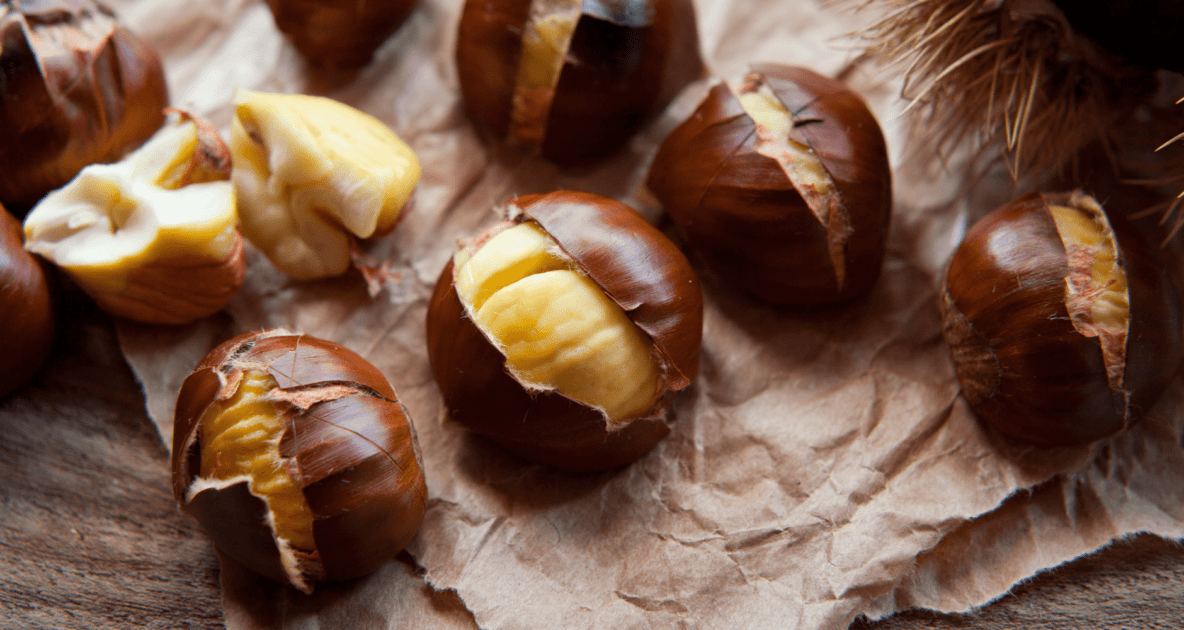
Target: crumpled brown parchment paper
[{"x": 822, "y": 466}]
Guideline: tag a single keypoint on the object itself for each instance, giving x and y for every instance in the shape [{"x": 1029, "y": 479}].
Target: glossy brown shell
[
  {"x": 740, "y": 212},
  {"x": 355, "y": 456},
  {"x": 627, "y": 60},
  {"x": 1022, "y": 365},
  {"x": 26, "y": 309},
  {"x": 339, "y": 34},
  {"x": 636, "y": 266},
  {"x": 69, "y": 99}
]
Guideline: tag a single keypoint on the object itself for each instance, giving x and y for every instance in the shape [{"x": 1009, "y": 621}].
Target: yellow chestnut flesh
[
  {"x": 545, "y": 42},
  {"x": 311, "y": 174},
  {"x": 557, "y": 328},
  {"x": 240, "y": 437},
  {"x": 154, "y": 237},
  {"x": 1096, "y": 293}
]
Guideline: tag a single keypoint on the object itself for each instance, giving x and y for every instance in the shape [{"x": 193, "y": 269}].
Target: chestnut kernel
[
  {"x": 782, "y": 186},
  {"x": 1063, "y": 327},
  {"x": 311, "y": 175},
  {"x": 154, "y": 237},
  {"x": 341, "y": 34},
  {"x": 76, "y": 88},
  {"x": 562, "y": 332},
  {"x": 574, "y": 79},
  {"x": 296, "y": 457},
  {"x": 26, "y": 308}
]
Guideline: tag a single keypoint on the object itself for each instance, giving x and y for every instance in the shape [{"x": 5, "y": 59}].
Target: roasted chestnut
[
  {"x": 26, "y": 309},
  {"x": 75, "y": 88},
  {"x": 154, "y": 237},
  {"x": 312, "y": 174},
  {"x": 341, "y": 34},
  {"x": 782, "y": 186},
  {"x": 297, "y": 459},
  {"x": 1063, "y": 327},
  {"x": 574, "y": 79},
  {"x": 561, "y": 332}
]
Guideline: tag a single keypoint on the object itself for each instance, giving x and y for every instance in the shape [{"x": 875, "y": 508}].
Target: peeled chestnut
[
  {"x": 311, "y": 175},
  {"x": 340, "y": 34},
  {"x": 75, "y": 88},
  {"x": 1063, "y": 327},
  {"x": 295, "y": 456},
  {"x": 25, "y": 308},
  {"x": 782, "y": 186},
  {"x": 561, "y": 332},
  {"x": 574, "y": 79},
  {"x": 154, "y": 237}
]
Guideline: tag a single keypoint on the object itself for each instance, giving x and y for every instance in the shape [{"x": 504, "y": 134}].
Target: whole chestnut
[
  {"x": 574, "y": 79},
  {"x": 562, "y": 332},
  {"x": 782, "y": 186},
  {"x": 1063, "y": 327},
  {"x": 295, "y": 456},
  {"x": 341, "y": 34},
  {"x": 26, "y": 308},
  {"x": 76, "y": 88}
]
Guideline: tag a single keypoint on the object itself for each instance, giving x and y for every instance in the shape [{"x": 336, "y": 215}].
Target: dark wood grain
[{"x": 89, "y": 534}]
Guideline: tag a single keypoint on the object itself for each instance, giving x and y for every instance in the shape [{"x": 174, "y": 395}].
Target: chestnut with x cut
[
  {"x": 562, "y": 332},
  {"x": 1064, "y": 328},
  {"x": 782, "y": 186},
  {"x": 296, "y": 457}
]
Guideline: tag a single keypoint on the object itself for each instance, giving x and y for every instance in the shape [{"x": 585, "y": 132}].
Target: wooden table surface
[{"x": 91, "y": 537}]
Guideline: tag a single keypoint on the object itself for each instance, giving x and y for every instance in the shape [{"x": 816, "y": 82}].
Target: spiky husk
[{"x": 1009, "y": 79}]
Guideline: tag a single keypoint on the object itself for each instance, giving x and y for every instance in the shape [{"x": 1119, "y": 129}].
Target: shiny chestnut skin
[
  {"x": 639, "y": 269},
  {"x": 1024, "y": 368},
  {"x": 340, "y": 34},
  {"x": 739, "y": 211},
  {"x": 76, "y": 88},
  {"x": 348, "y": 443},
  {"x": 26, "y": 308},
  {"x": 626, "y": 61}
]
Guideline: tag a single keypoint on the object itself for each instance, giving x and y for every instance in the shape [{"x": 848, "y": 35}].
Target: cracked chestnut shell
[
  {"x": 1063, "y": 327},
  {"x": 295, "y": 456},
  {"x": 26, "y": 308},
  {"x": 76, "y": 88},
  {"x": 574, "y": 79},
  {"x": 340, "y": 34},
  {"x": 645, "y": 282},
  {"x": 791, "y": 206}
]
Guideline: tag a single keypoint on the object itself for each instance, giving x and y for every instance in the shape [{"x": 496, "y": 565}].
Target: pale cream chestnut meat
[
  {"x": 556, "y": 327},
  {"x": 311, "y": 175},
  {"x": 159, "y": 203}
]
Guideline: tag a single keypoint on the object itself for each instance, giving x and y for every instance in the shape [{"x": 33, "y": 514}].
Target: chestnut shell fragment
[
  {"x": 76, "y": 88},
  {"x": 741, "y": 214},
  {"x": 627, "y": 60},
  {"x": 355, "y": 455},
  {"x": 26, "y": 308},
  {"x": 341, "y": 34},
  {"x": 1023, "y": 366},
  {"x": 639, "y": 269}
]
